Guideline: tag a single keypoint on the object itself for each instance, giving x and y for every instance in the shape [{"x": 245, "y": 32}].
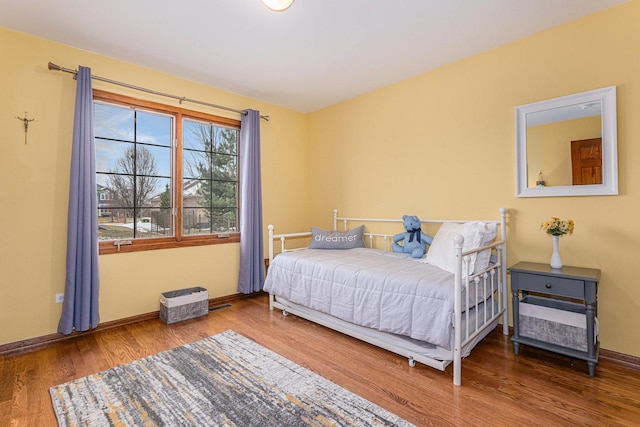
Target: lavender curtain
[
  {"x": 251, "y": 277},
  {"x": 80, "y": 306}
]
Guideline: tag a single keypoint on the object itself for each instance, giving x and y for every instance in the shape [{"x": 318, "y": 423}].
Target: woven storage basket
[
  {"x": 183, "y": 304},
  {"x": 557, "y": 322}
]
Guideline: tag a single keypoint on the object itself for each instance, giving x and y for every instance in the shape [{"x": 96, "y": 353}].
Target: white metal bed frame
[{"x": 461, "y": 276}]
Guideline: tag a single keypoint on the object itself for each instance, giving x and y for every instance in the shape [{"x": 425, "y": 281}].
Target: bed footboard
[{"x": 493, "y": 280}]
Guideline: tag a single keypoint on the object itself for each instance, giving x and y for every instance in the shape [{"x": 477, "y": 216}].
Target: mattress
[{"x": 387, "y": 291}]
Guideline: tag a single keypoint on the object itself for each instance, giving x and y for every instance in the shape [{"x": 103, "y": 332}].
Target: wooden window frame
[{"x": 177, "y": 240}]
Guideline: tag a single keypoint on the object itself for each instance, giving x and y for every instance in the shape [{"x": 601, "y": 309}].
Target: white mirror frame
[{"x": 607, "y": 98}]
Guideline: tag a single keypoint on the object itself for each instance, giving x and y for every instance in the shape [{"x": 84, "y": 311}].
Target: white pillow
[
  {"x": 441, "y": 251},
  {"x": 489, "y": 233}
]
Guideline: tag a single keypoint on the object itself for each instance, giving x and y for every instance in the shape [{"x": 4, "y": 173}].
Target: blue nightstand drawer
[{"x": 551, "y": 285}]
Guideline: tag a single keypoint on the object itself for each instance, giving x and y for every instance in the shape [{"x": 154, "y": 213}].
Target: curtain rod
[{"x": 182, "y": 99}]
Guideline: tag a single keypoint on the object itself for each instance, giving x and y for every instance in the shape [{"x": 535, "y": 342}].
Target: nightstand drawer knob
[{"x": 548, "y": 286}]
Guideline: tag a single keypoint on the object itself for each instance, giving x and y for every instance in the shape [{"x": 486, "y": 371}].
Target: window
[{"x": 166, "y": 176}]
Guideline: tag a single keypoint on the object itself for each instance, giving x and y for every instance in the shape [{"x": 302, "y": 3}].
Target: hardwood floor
[{"x": 498, "y": 388}]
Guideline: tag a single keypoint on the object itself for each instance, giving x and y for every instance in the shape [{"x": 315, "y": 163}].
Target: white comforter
[{"x": 388, "y": 291}]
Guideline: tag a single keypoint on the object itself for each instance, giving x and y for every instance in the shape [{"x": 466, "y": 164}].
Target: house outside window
[{"x": 166, "y": 176}]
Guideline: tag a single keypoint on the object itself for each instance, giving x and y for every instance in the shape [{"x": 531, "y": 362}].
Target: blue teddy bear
[{"x": 415, "y": 241}]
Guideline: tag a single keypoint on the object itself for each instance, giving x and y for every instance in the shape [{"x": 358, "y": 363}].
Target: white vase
[{"x": 555, "y": 262}]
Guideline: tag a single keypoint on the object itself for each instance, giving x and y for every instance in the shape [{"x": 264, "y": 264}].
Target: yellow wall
[
  {"x": 34, "y": 182},
  {"x": 442, "y": 145}
]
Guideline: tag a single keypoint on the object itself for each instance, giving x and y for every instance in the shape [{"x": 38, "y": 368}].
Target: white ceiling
[{"x": 315, "y": 54}]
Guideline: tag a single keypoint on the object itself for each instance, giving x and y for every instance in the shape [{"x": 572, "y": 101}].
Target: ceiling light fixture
[{"x": 278, "y": 5}]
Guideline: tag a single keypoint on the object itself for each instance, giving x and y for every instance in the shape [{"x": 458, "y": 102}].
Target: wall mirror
[{"x": 568, "y": 146}]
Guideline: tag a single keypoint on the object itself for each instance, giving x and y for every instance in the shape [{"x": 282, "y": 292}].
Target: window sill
[{"x": 109, "y": 247}]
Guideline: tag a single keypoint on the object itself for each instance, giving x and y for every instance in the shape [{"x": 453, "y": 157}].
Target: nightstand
[{"x": 556, "y": 310}]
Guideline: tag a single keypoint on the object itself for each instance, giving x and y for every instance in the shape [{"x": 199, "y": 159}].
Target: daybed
[{"x": 432, "y": 310}]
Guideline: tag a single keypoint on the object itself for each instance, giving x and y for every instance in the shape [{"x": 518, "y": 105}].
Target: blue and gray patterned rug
[{"x": 222, "y": 380}]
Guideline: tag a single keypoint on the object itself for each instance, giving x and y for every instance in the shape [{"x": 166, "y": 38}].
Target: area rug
[{"x": 222, "y": 380}]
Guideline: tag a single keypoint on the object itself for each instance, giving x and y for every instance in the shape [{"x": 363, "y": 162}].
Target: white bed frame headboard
[{"x": 371, "y": 236}]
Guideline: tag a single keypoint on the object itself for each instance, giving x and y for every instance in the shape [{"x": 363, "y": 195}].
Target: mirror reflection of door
[
  {"x": 549, "y": 150},
  {"x": 586, "y": 161}
]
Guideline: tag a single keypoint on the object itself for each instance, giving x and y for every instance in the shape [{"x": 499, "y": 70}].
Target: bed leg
[{"x": 412, "y": 362}]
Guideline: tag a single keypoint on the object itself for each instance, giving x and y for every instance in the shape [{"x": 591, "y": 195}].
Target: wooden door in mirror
[{"x": 586, "y": 161}]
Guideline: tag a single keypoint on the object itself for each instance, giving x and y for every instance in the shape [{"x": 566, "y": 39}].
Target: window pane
[
  {"x": 195, "y": 134},
  {"x": 111, "y": 155},
  {"x": 153, "y": 222},
  {"x": 154, "y": 161},
  {"x": 194, "y": 222},
  {"x": 153, "y": 128},
  {"x": 197, "y": 221},
  {"x": 122, "y": 191},
  {"x": 195, "y": 164},
  {"x": 226, "y": 140},
  {"x": 223, "y": 194},
  {"x": 192, "y": 190},
  {"x": 224, "y": 219},
  {"x": 113, "y": 122},
  {"x": 112, "y": 224},
  {"x": 225, "y": 167}
]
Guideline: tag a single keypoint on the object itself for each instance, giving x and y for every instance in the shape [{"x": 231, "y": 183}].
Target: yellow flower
[{"x": 558, "y": 227}]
